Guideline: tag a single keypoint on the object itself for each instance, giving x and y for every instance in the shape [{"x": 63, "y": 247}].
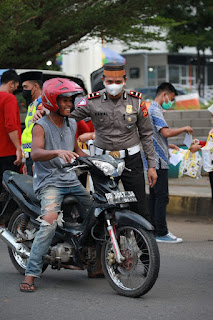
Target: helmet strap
[
  {"x": 67, "y": 121},
  {"x": 58, "y": 113}
]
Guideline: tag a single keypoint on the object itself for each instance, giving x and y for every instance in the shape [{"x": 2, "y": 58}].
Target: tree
[
  {"x": 193, "y": 29},
  {"x": 33, "y": 32}
]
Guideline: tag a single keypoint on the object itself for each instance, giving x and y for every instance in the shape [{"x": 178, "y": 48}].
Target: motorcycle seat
[
  {"x": 25, "y": 184},
  {"x": 22, "y": 182}
]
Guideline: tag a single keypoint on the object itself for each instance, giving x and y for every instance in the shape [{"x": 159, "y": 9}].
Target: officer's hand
[
  {"x": 86, "y": 136},
  {"x": 211, "y": 131},
  {"x": 152, "y": 177},
  {"x": 38, "y": 115},
  {"x": 18, "y": 160},
  {"x": 188, "y": 129},
  {"x": 67, "y": 156}
]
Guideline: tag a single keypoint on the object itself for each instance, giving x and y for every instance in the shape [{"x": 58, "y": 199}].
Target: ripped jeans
[{"x": 51, "y": 199}]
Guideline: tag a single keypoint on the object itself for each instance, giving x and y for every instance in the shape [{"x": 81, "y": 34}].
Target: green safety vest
[{"x": 26, "y": 137}]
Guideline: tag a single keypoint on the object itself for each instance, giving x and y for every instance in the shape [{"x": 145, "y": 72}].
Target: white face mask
[{"x": 114, "y": 89}]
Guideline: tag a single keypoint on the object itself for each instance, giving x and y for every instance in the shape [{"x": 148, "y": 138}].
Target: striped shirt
[{"x": 160, "y": 142}]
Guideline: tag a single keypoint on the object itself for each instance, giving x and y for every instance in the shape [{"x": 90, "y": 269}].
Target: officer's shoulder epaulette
[
  {"x": 93, "y": 95},
  {"x": 135, "y": 94}
]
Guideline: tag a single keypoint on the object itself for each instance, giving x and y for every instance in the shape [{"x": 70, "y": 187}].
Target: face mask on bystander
[
  {"x": 167, "y": 105},
  {"x": 114, "y": 89}
]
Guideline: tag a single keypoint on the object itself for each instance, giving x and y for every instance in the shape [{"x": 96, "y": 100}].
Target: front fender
[{"x": 130, "y": 218}]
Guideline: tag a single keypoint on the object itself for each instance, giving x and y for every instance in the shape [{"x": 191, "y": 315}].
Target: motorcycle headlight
[{"x": 107, "y": 168}]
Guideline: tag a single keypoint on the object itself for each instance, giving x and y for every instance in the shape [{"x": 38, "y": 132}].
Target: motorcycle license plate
[{"x": 120, "y": 197}]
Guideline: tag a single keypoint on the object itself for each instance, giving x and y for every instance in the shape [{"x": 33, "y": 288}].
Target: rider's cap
[
  {"x": 114, "y": 69},
  {"x": 31, "y": 75}
]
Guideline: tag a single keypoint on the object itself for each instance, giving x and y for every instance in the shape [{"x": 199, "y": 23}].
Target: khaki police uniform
[{"x": 120, "y": 126}]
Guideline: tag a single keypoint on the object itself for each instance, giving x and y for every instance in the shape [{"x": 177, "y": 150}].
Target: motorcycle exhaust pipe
[{"x": 11, "y": 241}]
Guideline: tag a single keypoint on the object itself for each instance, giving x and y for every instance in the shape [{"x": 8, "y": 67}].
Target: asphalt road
[{"x": 184, "y": 289}]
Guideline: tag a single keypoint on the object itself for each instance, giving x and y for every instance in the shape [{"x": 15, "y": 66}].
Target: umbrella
[{"x": 109, "y": 55}]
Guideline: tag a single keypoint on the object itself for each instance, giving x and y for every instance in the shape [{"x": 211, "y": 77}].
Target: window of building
[
  {"x": 152, "y": 76},
  {"x": 184, "y": 75},
  {"x": 156, "y": 75},
  {"x": 174, "y": 74},
  {"x": 134, "y": 73}
]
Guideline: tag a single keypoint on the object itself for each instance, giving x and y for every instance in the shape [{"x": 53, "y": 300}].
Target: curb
[{"x": 189, "y": 205}]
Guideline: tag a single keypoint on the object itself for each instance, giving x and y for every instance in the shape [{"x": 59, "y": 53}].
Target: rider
[{"x": 53, "y": 144}]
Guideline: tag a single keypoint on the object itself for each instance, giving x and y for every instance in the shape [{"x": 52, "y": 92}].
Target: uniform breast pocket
[
  {"x": 129, "y": 121},
  {"x": 101, "y": 119}
]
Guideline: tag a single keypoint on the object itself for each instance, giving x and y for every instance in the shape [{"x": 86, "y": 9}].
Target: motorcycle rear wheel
[
  {"x": 13, "y": 225},
  {"x": 137, "y": 274}
]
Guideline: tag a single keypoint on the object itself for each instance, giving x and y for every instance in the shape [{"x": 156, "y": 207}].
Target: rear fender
[
  {"x": 132, "y": 219},
  {"x": 8, "y": 210}
]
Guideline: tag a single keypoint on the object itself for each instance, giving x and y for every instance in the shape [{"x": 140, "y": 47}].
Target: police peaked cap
[
  {"x": 31, "y": 75},
  {"x": 114, "y": 69}
]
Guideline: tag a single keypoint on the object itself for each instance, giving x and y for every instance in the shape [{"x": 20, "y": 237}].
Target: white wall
[{"x": 81, "y": 61}]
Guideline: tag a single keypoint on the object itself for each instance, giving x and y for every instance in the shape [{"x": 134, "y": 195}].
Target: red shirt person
[{"x": 10, "y": 125}]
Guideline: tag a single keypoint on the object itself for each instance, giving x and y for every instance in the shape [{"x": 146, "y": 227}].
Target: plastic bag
[
  {"x": 207, "y": 154},
  {"x": 191, "y": 165}
]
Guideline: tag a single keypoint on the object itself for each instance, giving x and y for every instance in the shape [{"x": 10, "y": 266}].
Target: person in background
[
  {"x": 10, "y": 126},
  {"x": 32, "y": 85},
  {"x": 196, "y": 146},
  {"x": 159, "y": 195}
]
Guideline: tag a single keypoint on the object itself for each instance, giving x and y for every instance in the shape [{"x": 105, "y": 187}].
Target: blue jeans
[{"x": 51, "y": 199}]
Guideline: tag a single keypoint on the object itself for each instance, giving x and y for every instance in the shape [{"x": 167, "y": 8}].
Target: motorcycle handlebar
[{"x": 68, "y": 165}]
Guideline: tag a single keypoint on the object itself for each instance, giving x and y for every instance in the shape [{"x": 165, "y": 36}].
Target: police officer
[
  {"x": 32, "y": 85},
  {"x": 121, "y": 123}
]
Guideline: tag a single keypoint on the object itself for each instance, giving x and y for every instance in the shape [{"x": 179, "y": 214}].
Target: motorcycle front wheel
[
  {"x": 137, "y": 274},
  {"x": 14, "y": 227}
]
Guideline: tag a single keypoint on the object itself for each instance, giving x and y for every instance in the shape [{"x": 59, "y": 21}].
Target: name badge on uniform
[{"x": 129, "y": 108}]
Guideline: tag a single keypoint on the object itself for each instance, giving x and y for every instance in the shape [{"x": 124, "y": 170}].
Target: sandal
[{"x": 28, "y": 288}]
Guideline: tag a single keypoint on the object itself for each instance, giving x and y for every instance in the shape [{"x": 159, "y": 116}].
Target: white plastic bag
[
  {"x": 191, "y": 165},
  {"x": 207, "y": 154}
]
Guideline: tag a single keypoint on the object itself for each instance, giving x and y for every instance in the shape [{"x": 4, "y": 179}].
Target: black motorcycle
[{"x": 129, "y": 252}]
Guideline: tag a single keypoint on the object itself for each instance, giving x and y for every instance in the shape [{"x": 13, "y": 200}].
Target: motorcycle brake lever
[
  {"x": 77, "y": 167},
  {"x": 125, "y": 168}
]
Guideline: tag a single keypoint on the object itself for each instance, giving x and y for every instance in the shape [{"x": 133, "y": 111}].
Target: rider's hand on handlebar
[
  {"x": 152, "y": 177},
  {"x": 67, "y": 156},
  {"x": 38, "y": 115}
]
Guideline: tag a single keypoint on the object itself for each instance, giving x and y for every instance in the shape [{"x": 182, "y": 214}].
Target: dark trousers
[
  {"x": 158, "y": 200},
  {"x": 134, "y": 181},
  {"x": 29, "y": 164},
  {"x": 211, "y": 182},
  {"x": 6, "y": 163}
]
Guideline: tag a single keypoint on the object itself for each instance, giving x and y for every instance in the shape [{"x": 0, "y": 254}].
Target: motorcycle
[{"x": 129, "y": 253}]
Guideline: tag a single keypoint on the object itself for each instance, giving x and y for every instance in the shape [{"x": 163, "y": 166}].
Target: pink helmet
[{"x": 56, "y": 87}]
